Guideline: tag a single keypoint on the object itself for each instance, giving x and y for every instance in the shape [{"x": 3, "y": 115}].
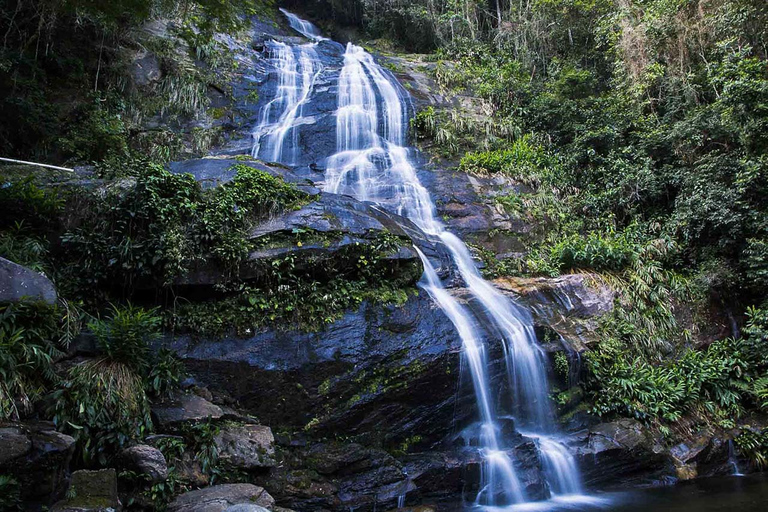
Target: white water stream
[{"x": 372, "y": 164}]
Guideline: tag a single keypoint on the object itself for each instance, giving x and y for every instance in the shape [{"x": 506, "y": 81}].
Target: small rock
[
  {"x": 220, "y": 498},
  {"x": 246, "y": 446},
  {"x": 91, "y": 491},
  {"x": 19, "y": 283},
  {"x": 146, "y": 460}
]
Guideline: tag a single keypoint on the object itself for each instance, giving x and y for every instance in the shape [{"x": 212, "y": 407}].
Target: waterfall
[
  {"x": 732, "y": 460},
  {"x": 303, "y": 27},
  {"x": 372, "y": 163},
  {"x": 297, "y": 70}
]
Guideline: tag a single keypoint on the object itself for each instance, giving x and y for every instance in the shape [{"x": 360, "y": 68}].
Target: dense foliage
[
  {"x": 66, "y": 83},
  {"x": 636, "y": 133}
]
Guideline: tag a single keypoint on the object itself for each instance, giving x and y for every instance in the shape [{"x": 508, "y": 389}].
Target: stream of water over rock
[{"x": 372, "y": 162}]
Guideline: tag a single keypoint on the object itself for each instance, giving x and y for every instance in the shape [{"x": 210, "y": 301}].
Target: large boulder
[
  {"x": 91, "y": 491},
  {"x": 620, "y": 454},
  {"x": 146, "y": 460},
  {"x": 220, "y": 498},
  {"x": 246, "y": 447},
  {"x": 20, "y": 283},
  {"x": 38, "y": 457},
  {"x": 570, "y": 304},
  {"x": 337, "y": 222}
]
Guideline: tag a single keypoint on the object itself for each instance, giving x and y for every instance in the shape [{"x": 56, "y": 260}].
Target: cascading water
[
  {"x": 297, "y": 70},
  {"x": 372, "y": 164}
]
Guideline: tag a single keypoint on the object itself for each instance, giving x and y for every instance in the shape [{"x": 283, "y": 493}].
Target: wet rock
[
  {"x": 38, "y": 457},
  {"x": 620, "y": 453},
  {"x": 91, "y": 491},
  {"x": 246, "y": 446},
  {"x": 220, "y": 498},
  {"x": 214, "y": 171},
  {"x": 529, "y": 470},
  {"x": 570, "y": 304},
  {"x": 20, "y": 283},
  {"x": 379, "y": 373},
  {"x": 184, "y": 408},
  {"x": 147, "y": 461},
  {"x": 703, "y": 454}
]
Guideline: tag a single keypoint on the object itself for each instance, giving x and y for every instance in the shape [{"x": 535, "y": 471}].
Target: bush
[
  {"x": 30, "y": 340},
  {"x": 715, "y": 382},
  {"x": 156, "y": 230},
  {"x": 596, "y": 251},
  {"x": 104, "y": 403},
  {"x": 126, "y": 335}
]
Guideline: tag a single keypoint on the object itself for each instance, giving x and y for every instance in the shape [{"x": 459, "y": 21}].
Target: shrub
[
  {"x": 595, "y": 251},
  {"x": 103, "y": 405},
  {"x": 126, "y": 335},
  {"x": 711, "y": 383},
  {"x": 29, "y": 342},
  {"x": 155, "y": 230}
]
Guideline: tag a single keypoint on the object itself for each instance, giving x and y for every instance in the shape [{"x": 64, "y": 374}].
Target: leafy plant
[{"x": 29, "y": 342}]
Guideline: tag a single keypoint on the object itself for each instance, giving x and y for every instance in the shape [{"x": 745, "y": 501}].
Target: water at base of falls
[{"x": 372, "y": 163}]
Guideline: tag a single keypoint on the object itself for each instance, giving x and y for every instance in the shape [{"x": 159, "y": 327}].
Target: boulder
[
  {"x": 220, "y": 498},
  {"x": 147, "y": 461},
  {"x": 38, "y": 457},
  {"x": 570, "y": 304},
  {"x": 703, "y": 454},
  {"x": 620, "y": 454},
  {"x": 91, "y": 491},
  {"x": 246, "y": 447},
  {"x": 339, "y": 223},
  {"x": 20, "y": 283},
  {"x": 184, "y": 408}
]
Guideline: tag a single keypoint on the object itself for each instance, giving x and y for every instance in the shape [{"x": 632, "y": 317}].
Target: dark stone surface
[
  {"x": 145, "y": 460},
  {"x": 184, "y": 408},
  {"x": 570, "y": 304},
  {"x": 381, "y": 372},
  {"x": 620, "y": 454},
  {"x": 20, "y": 283},
  {"x": 91, "y": 491},
  {"x": 220, "y": 497},
  {"x": 38, "y": 457},
  {"x": 246, "y": 447}
]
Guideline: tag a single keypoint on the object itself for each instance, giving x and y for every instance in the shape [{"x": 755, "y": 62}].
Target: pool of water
[{"x": 721, "y": 494}]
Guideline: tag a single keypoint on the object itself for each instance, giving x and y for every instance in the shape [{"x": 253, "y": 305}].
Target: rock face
[
  {"x": 220, "y": 498},
  {"x": 19, "y": 283},
  {"x": 381, "y": 372},
  {"x": 620, "y": 454},
  {"x": 38, "y": 457},
  {"x": 570, "y": 304},
  {"x": 147, "y": 461},
  {"x": 339, "y": 221},
  {"x": 246, "y": 447},
  {"x": 91, "y": 491}
]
